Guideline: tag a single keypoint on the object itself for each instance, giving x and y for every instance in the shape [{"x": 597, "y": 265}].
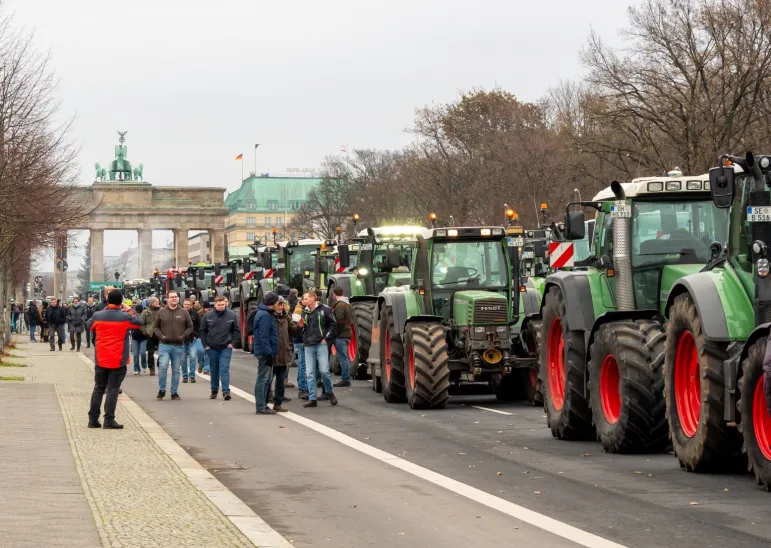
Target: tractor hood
[{"x": 479, "y": 308}]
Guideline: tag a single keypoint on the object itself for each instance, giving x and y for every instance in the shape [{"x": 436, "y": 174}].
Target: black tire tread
[
  {"x": 394, "y": 391},
  {"x": 752, "y": 369},
  {"x": 362, "y": 322},
  {"x": 534, "y": 394},
  {"x": 432, "y": 370}
]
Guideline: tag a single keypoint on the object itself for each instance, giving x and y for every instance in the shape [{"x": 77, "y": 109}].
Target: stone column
[
  {"x": 217, "y": 245},
  {"x": 145, "y": 238},
  {"x": 97, "y": 255},
  {"x": 180, "y": 247}
]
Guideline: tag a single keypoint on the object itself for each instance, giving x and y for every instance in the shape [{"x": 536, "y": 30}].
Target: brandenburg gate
[{"x": 122, "y": 200}]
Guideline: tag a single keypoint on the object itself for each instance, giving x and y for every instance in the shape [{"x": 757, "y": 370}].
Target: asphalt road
[{"x": 317, "y": 491}]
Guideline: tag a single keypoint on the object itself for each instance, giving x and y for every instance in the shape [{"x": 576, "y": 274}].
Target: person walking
[
  {"x": 203, "y": 356},
  {"x": 89, "y": 314},
  {"x": 265, "y": 345},
  {"x": 148, "y": 319},
  {"x": 191, "y": 348},
  {"x": 172, "y": 326},
  {"x": 56, "y": 317},
  {"x": 343, "y": 314},
  {"x": 299, "y": 350},
  {"x": 139, "y": 344},
  {"x": 318, "y": 326},
  {"x": 76, "y": 323},
  {"x": 111, "y": 355},
  {"x": 219, "y": 332},
  {"x": 286, "y": 328},
  {"x": 33, "y": 319},
  {"x": 43, "y": 322}
]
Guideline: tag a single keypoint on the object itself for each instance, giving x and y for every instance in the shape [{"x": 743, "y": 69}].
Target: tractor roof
[
  {"x": 395, "y": 230},
  {"x": 662, "y": 186},
  {"x": 460, "y": 232}
]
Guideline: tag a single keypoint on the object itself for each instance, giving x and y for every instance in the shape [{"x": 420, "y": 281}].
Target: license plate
[
  {"x": 516, "y": 242},
  {"x": 620, "y": 209},
  {"x": 527, "y": 255},
  {"x": 758, "y": 214}
]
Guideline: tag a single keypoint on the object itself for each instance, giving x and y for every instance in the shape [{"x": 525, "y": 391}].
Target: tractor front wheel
[
  {"x": 626, "y": 386},
  {"x": 533, "y": 383},
  {"x": 362, "y": 335},
  {"x": 694, "y": 385},
  {"x": 428, "y": 378},
  {"x": 391, "y": 360},
  {"x": 755, "y": 423}
]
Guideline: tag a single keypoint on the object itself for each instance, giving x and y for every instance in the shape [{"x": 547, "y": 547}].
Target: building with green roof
[{"x": 264, "y": 203}]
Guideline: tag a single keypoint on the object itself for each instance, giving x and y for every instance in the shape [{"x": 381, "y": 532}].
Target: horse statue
[
  {"x": 138, "y": 173},
  {"x": 101, "y": 173}
]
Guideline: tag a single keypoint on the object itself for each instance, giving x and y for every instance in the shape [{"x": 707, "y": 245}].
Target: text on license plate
[{"x": 758, "y": 214}]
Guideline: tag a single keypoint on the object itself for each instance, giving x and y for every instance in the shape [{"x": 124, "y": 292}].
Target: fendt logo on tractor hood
[{"x": 491, "y": 308}]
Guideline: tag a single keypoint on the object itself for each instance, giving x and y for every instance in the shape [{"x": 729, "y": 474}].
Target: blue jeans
[
  {"x": 302, "y": 384},
  {"x": 173, "y": 353},
  {"x": 202, "y": 358},
  {"x": 317, "y": 356},
  {"x": 32, "y": 332},
  {"x": 219, "y": 361},
  {"x": 261, "y": 385},
  {"x": 341, "y": 347},
  {"x": 139, "y": 348},
  {"x": 188, "y": 363}
]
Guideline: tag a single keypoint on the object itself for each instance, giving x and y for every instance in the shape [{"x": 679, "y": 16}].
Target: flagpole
[{"x": 255, "y": 159}]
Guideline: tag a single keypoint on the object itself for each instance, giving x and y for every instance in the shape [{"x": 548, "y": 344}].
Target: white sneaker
[{"x": 136, "y": 373}]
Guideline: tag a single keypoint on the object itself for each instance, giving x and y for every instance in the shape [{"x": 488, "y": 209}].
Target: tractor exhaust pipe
[
  {"x": 622, "y": 260},
  {"x": 757, "y": 175}
]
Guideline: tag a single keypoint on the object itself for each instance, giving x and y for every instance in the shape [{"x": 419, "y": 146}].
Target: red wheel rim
[
  {"x": 533, "y": 378},
  {"x": 687, "y": 383},
  {"x": 610, "y": 393},
  {"x": 412, "y": 367},
  {"x": 556, "y": 364},
  {"x": 352, "y": 345},
  {"x": 387, "y": 344},
  {"x": 761, "y": 420}
]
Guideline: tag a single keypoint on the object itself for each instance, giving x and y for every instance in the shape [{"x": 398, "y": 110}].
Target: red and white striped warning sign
[
  {"x": 218, "y": 279},
  {"x": 560, "y": 254},
  {"x": 269, "y": 273},
  {"x": 337, "y": 266},
  {"x": 249, "y": 275}
]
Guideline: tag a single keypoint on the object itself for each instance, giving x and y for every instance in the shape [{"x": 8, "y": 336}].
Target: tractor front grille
[{"x": 490, "y": 311}]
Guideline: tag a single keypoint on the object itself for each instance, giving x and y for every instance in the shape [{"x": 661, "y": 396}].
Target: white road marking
[
  {"x": 541, "y": 521},
  {"x": 250, "y": 524},
  {"x": 491, "y": 410}
]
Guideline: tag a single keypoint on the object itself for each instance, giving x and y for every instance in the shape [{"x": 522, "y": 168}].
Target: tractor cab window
[
  {"x": 468, "y": 265},
  {"x": 302, "y": 258},
  {"x": 662, "y": 231},
  {"x": 380, "y": 267}
]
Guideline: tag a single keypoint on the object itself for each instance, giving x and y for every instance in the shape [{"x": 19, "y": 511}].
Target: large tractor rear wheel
[
  {"x": 755, "y": 423},
  {"x": 626, "y": 386},
  {"x": 694, "y": 386},
  {"x": 362, "y": 335},
  {"x": 391, "y": 360},
  {"x": 428, "y": 381},
  {"x": 563, "y": 360}
]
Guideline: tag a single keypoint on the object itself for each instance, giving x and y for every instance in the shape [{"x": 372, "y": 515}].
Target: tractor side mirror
[
  {"x": 539, "y": 249},
  {"x": 345, "y": 255},
  {"x": 217, "y": 269},
  {"x": 721, "y": 186},
  {"x": 267, "y": 263},
  {"x": 323, "y": 266},
  {"x": 247, "y": 266},
  {"x": 231, "y": 279},
  {"x": 201, "y": 274},
  {"x": 393, "y": 258},
  {"x": 178, "y": 277},
  {"x": 574, "y": 225}
]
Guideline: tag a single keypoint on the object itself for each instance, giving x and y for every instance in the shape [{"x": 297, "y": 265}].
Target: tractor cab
[
  {"x": 294, "y": 258},
  {"x": 385, "y": 257},
  {"x": 176, "y": 280}
]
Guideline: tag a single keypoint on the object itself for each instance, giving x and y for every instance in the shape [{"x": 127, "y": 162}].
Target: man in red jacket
[{"x": 111, "y": 355}]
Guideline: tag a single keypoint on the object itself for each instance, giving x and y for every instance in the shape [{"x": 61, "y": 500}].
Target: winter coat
[
  {"x": 297, "y": 336},
  {"x": 56, "y": 315},
  {"x": 343, "y": 318},
  {"x": 286, "y": 330},
  {"x": 76, "y": 318},
  {"x": 319, "y": 325},
  {"x": 173, "y": 326},
  {"x": 196, "y": 319},
  {"x": 219, "y": 329},
  {"x": 90, "y": 309},
  {"x": 148, "y": 321},
  {"x": 33, "y": 315},
  {"x": 265, "y": 331},
  {"x": 112, "y": 327}
]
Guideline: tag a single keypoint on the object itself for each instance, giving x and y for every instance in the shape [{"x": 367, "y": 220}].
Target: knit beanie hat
[{"x": 270, "y": 298}]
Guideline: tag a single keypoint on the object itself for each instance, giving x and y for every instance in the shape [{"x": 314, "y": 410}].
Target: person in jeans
[
  {"x": 191, "y": 348},
  {"x": 203, "y": 356},
  {"x": 265, "y": 345},
  {"x": 151, "y": 342},
  {"x": 343, "y": 314},
  {"x": 299, "y": 350},
  {"x": 286, "y": 328},
  {"x": 111, "y": 355},
  {"x": 56, "y": 317},
  {"x": 172, "y": 327},
  {"x": 76, "y": 323},
  {"x": 139, "y": 345},
  {"x": 219, "y": 331},
  {"x": 89, "y": 313},
  {"x": 33, "y": 320},
  {"x": 318, "y": 326}
]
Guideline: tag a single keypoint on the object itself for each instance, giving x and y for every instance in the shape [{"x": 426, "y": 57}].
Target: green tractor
[
  {"x": 450, "y": 323},
  {"x": 717, "y": 334},
  {"x": 602, "y": 329}
]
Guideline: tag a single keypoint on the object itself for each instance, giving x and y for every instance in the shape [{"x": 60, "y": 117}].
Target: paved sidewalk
[{"x": 137, "y": 494}]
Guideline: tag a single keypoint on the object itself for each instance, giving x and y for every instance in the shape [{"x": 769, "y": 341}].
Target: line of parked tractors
[{"x": 644, "y": 328}]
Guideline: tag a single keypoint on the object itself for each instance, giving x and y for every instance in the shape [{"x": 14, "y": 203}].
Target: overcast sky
[{"x": 196, "y": 82}]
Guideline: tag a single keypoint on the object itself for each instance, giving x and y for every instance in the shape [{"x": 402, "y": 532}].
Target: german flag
[{"x": 240, "y": 157}]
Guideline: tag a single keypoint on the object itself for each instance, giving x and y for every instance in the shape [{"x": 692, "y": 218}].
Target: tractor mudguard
[
  {"x": 397, "y": 302},
  {"x": 341, "y": 281},
  {"x": 363, "y": 298},
  {"x": 759, "y": 332},
  {"x": 578, "y": 298},
  {"x": 705, "y": 296},
  {"x": 423, "y": 318},
  {"x": 614, "y": 316},
  {"x": 531, "y": 301}
]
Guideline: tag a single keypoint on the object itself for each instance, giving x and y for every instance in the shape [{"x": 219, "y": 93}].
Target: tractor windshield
[
  {"x": 470, "y": 265},
  {"x": 302, "y": 259},
  {"x": 380, "y": 262},
  {"x": 663, "y": 232}
]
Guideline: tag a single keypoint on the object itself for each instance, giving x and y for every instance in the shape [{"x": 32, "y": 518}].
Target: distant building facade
[{"x": 198, "y": 250}]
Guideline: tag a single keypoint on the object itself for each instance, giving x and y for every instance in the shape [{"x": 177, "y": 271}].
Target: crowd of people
[{"x": 194, "y": 337}]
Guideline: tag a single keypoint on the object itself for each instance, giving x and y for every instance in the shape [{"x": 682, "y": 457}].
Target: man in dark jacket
[
  {"x": 76, "y": 322},
  {"x": 148, "y": 320},
  {"x": 33, "y": 320},
  {"x": 89, "y": 313},
  {"x": 56, "y": 317},
  {"x": 111, "y": 354},
  {"x": 191, "y": 354},
  {"x": 172, "y": 326},
  {"x": 265, "y": 344},
  {"x": 343, "y": 320},
  {"x": 318, "y": 326},
  {"x": 219, "y": 331}
]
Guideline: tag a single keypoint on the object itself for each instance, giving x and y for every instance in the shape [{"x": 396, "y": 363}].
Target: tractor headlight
[
  {"x": 363, "y": 272},
  {"x": 441, "y": 233},
  {"x": 497, "y": 232},
  {"x": 655, "y": 187},
  {"x": 501, "y": 329},
  {"x": 485, "y": 232},
  {"x": 763, "y": 267},
  {"x": 481, "y": 329},
  {"x": 452, "y": 232},
  {"x": 674, "y": 185}
]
